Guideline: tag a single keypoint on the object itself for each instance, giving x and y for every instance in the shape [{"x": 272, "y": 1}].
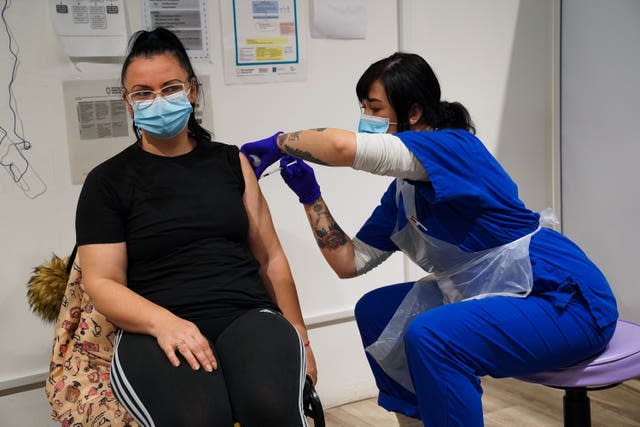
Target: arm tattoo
[
  {"x": 283, "y": 138},
  {"x": 304, "y": 155},
  {"x": 320, "y": 212},
  {"x": 295, "y": 136},
  {"x": 330, "y": 237}
]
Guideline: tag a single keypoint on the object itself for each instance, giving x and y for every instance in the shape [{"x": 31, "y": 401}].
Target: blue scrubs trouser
[{"x": 450, "y": 347}]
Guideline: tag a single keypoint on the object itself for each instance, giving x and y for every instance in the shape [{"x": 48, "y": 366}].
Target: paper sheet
[
  {"x": 339, "y": 19},
  {"x": 186, "y": 18},
  {"x": 90, "y": 28},
  {"x": 98, "y": 123}
]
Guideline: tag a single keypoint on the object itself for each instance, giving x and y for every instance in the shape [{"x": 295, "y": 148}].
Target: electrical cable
[{"x": 17, "y": 173}]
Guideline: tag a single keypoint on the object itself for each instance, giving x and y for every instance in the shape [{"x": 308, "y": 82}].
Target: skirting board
[{"x": 26, "y": 383}]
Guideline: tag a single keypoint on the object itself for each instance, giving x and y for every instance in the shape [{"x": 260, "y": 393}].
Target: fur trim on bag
[{"x": 46, "y": 287}]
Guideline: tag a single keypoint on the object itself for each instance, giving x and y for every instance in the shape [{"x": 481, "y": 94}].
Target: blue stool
[{"x": 619, "y": 362}]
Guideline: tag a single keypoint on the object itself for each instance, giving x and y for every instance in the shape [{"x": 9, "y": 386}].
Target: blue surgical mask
[
  {"x": 373, "y": 124},
  {"x": 163, "y": 117}
]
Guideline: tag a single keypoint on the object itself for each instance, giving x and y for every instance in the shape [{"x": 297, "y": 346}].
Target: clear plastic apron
[{"x": 454, "y": 275}]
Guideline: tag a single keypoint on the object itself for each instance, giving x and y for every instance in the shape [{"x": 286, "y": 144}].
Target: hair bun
[{"x": 453, "y": 115}]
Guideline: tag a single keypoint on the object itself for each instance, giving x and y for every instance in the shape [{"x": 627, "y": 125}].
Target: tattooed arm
[
  {"x": 335, "y": 245},
  {"x": 332, "y": 147}
]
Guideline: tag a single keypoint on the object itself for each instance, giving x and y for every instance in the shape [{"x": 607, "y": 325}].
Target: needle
[{"x": 274, "y": 170}]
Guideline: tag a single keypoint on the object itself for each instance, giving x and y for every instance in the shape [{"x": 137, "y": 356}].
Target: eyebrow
[
  {"x": 168, "y": 82},
  {"x": 373, "y": 100}
]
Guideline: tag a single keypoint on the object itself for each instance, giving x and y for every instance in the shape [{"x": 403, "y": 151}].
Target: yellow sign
[
  {"x": 268, "y": 41},
  {"x": 274, "y": 53}
]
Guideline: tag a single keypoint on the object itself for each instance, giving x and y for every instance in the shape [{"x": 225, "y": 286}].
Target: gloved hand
[
  {"x": 262, "y": 153},
  {"x": 300, "y": 178}
]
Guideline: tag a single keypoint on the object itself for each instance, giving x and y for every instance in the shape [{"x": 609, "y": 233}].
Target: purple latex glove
[
  {"x": 300, "y": 178},
  {"x": 262, "y": 153}
]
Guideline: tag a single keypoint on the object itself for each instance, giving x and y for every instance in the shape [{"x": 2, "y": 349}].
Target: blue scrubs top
[{"x": 471, "y": 201}]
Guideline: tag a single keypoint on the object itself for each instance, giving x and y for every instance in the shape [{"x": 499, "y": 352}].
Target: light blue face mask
[
  {"x": 163, "y": 117},
  {"x": 373, "y": 124}
]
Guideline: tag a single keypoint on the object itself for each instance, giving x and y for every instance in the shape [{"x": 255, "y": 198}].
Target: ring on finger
[{"x": 177, "y": 345}]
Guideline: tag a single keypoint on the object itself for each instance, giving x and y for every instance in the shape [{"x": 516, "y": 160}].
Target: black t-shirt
[{"x": 184, "y": 224}]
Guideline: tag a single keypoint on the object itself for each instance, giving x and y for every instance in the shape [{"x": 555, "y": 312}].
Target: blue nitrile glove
[
  {"x": 300, "y": 178},
  {"x": 262, "y": 153}
]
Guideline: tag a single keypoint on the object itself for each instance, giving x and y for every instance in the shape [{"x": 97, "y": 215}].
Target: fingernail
[{"x": 209, "y": 368}]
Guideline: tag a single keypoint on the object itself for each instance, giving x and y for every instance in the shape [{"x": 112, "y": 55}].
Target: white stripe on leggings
[
  {"x": 303, "y": 377},
  {"x": 118, "y": 389},
  {"x": 303, "y": 371},
  {"x": 124, "y": 392}
]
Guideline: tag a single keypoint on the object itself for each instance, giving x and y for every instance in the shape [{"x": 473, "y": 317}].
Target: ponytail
[{"x": 454, "y": 115}]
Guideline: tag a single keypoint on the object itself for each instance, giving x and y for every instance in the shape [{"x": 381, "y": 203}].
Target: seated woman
[{"x": 179, "y": 252}]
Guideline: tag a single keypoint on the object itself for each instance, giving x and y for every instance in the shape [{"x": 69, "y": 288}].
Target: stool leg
[{"x": 577, "y": 411}]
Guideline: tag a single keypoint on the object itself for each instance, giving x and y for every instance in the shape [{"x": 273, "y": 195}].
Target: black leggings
[{"x": 258, "y": 383}]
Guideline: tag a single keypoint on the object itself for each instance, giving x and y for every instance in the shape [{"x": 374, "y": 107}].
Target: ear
[
  {"x": 415, "y": 114},
  {"x": 127, "y": 103},
  {"x": 193, "y": 93}
]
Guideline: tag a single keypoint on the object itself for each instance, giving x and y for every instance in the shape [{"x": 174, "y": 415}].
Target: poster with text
[
  {"x": 186, "y": 18},
  {"x": 90, "y": 28},
  {"x": 262, "y": 41}
]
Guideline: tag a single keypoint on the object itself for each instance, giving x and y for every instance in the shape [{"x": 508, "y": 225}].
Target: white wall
[
  {"x": 495, "y": 58},
  {"x": 500, "y": 59},
  {"x": 600, "y": 143}
]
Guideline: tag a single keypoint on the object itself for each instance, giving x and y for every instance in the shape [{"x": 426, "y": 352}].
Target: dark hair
[
  {"x": 157, "y": 42},
  {"x": 408, "y": 79}
]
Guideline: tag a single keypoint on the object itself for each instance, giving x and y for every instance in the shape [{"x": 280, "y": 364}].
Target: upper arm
[
  {"x": 99, "y": 213},
  {"x": 385, "y": 154},
  {"x": 262, "y": 237},
  {"x": 100, "y": 230},
  {"x": 103, "y": 261}
]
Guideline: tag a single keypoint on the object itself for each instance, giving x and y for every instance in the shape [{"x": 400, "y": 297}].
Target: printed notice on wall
[
  {"x": 261, "y": 41},
  {"x": 99, "y": 124},
  {"x": 90, "y": 28},
  {"x": 186, "y": 18}
]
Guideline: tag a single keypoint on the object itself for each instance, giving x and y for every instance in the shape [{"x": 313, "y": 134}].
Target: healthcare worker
[{"x": 503, "y": 296}]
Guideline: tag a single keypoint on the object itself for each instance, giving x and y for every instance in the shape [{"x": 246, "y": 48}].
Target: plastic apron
[{"x": 454, "y": 275}]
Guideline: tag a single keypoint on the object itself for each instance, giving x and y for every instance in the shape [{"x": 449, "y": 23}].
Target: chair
[
  {"x": 619, "y": 362},
  {"x": 312, "y": 405}
]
